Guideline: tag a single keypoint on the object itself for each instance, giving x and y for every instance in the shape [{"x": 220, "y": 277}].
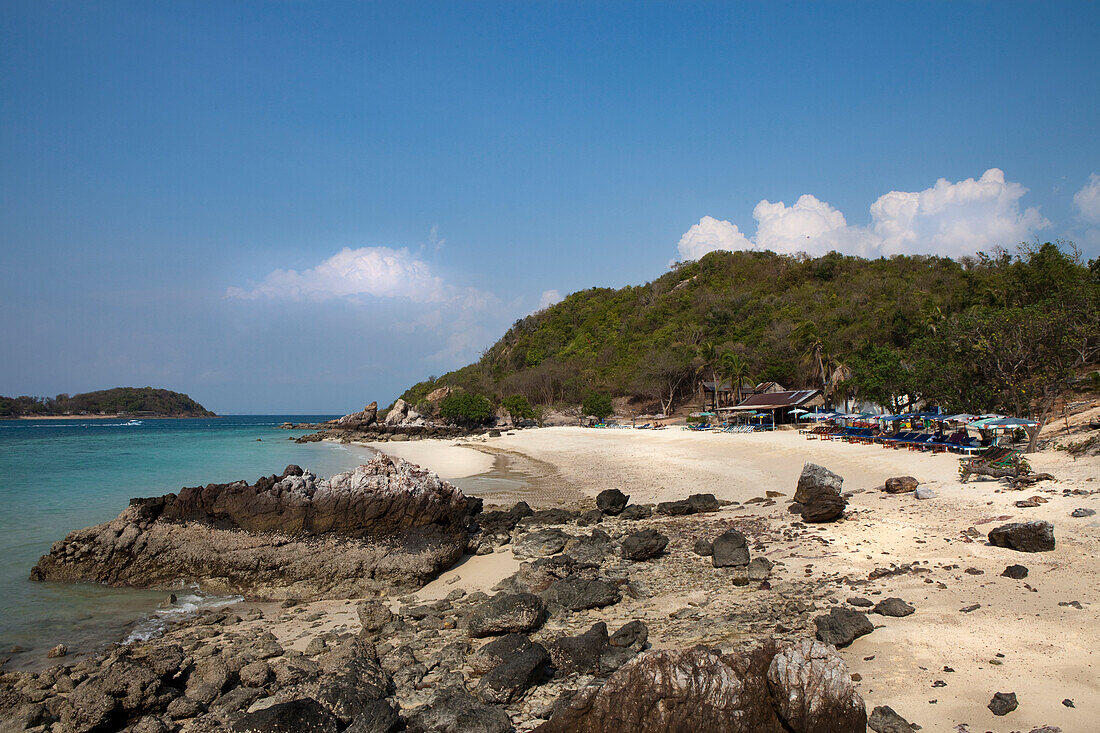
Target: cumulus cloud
[
  {"x": 381, "y": 272},
  {"x": 1087, "y": 200},
  {"x": 709, "y": 235},
  {"x": 549, "y": 298},
  {"x": 950, "y": 219}
]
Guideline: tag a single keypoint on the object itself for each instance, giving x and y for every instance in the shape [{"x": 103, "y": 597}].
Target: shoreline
[{"x": 110, "y": 417}]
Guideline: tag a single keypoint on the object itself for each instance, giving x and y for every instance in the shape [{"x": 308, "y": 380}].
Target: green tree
[
  {"x": 732, "y": 366},
  {"x": 597, "y": 404},
  {"x": 464, "y": 408},
  {"x": 518, "y": 407}
]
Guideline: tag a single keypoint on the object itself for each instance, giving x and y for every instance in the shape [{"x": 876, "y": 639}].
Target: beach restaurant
[{"x": 778, "y": 408}]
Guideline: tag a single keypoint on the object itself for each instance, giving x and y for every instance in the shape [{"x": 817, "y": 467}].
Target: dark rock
[
  {"x": 760, "y": 568},
  {"x": 577, "y": 593},
  {"x": 541, "y": 543},
  {"x": 631, "y": 635},
  {"x": 703, "y": 547},
  {"x": 1003, "y": 703},
  {"x": 893, "y": 607},
  {"x": 497, "y": 651},
  {"x": 819, "y": 493},
  {"x": 592, "y": 550},
  {"x": 900, "y": 484},
  {"x": 861, "y": 602},
  {"x": 1016, "y": 572},
  {"x": 635, "y": 512},
  {"x": 611, "y": 501},
  {"x": 304, "y": 715},
  {"x": 841, "y": 626},
  {"x": 378, "y": 716},
  {"x": 884, "y": 720},
  {"x": 1034, "y": 536},
  {"x": 643, "y": 545},
  {"x": 580, "y": 653},
  {"x": 694, "y": 504},
  {"x": 373, "y": 615},
  {"x": 730, "y": 549},
  {"x": 506, "y": 613},
  {"x": 550, "y": 516},
  {"x": 454, "y": 710},
  {"x": 1082, "y": 512},
  {"x": 511, "y": 678},
  {"x": 590, "y": 517}
]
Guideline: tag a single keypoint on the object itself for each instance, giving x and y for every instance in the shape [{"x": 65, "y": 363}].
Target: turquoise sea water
[{"x": 61, "y": 475}]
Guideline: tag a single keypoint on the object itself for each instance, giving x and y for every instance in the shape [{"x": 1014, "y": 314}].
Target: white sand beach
[{"x": 939, "y": 666}]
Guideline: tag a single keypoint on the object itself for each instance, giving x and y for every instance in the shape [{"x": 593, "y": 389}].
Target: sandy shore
[{"x": 1023, "y": 638}]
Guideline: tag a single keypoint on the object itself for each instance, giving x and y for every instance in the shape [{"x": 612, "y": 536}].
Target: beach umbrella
[{"x": 1009, "y": 423}]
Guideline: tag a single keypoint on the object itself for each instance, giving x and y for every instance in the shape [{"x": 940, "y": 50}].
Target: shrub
[
  {"x": 518, "y": 407},
  {"x": 466, "y": 409},
  {"x": 597, "y": 404}
]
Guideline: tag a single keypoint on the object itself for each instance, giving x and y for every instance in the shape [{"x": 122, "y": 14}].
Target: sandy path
[{"x": 1050, "y": 650}]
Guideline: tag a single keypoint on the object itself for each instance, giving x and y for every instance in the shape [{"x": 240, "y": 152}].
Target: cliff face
[{"x": 387, "y": 523}]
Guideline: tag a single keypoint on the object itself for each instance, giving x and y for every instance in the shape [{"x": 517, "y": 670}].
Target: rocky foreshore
[{"x": 401, "y": 422}]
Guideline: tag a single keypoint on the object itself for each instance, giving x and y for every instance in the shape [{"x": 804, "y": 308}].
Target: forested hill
[
  {"x": 120, "y": 400},
  {"x": 982, "y": 333}
]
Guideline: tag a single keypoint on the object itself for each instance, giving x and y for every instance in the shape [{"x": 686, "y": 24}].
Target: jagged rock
[
  {"x": 591, "y": 550},
  {"x": 1016, "y": 572},
  {"x": 497, "y": 651},
  {"x": 883, "y": 719},
  {"x": 550, "y": 516},
  {"x": 643, "y": 545},
  {"x": 577, "y": 593},
  {"x": 635, "y": 512},
  {"x": 387, "y": 523},
  {"x": 631, "y": 635},
  {"x": 669, "y": 691},
  {"x": 611, "y": 501},
  {"x": 304, "y": 715},
  {"x": 359, "y": 420},
  {"x": 255, "y": 674},
  {"x": 1003, "y": 703},
  {"x": 454, "y": 710},
  {"x": 580, "y": 653},
  {"x": 819, "y": 494},
  {"x": 397, "y": 413},
  {"x": 760, "y": 568},
  {"x": 58, "y": 651},
  {"x": 503, "y": 521},
  {"x": 841, "y": 626},
  {"x": 511, "y": 678},
  {"x": 590, "y": 517},
  {"x": 900, "y": 484},
  {"x": 377, "y": 716},
  {"x": 694, "y": 504},
  {"x": 813, "y": 690},
  {"x": 1034, "y": 536},
  {"x": 730, "y": 549},
  {"x": 541, "y": 543},
  {"x": 506, "y": 613},
  {"x": 923, "y": 492},
  {"x": 895, "y": 607},
  {"x": 374, "y": 615}
]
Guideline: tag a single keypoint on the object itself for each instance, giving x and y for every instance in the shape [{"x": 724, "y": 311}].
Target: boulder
[
  {"x": 507, "y": 613},
  {"x": 923, "y": 492},
  {"x": 397, "y": 413},
  {"x": 631, "y": 635},
  {"x": 580, "y": 653},
  {"x": 819, "y": 494},
  {"x": 635, "y": 512},
  {"x": 374, "y": 615},
  {"x": 841, "y": 626},
  {"x": 386, "y": 524},
  {"x": 611, "y": 501},
  {"x": 694, "y": 504},
  {"x": 900, "y": 484},
  {"x": 883, "y": 719},
  {"x": 813, "y": 689},
  {"x": 760, "y": 568},
  {"x": 730, "y": 549},
  {"x": 454, "y": 710},
  {"x": 1016, "y": 572},
  {"x": 497, "y": 651},
  {"x": 1003, "y": 703},
  {"x": 507, "y": 681},
  {"x": 359, "y": 420},
  {"x": 304, "y": 715},
  {"x": 1034, "y": 536},
  {"x": 895, "y": 607},
  {"x": 577, "y": 593},
  {"x": 541, "y": 543},
  {"x": 643, "y": 545},
  {"x": 591, "y": 550}
]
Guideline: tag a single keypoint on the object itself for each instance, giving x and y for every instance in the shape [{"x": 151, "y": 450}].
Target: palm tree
[
  {"x": 814, "y": 348},
  {"x": 732, "y": 366}
]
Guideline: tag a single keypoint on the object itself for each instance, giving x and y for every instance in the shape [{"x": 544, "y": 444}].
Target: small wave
[{"x": 187, "y": 604}]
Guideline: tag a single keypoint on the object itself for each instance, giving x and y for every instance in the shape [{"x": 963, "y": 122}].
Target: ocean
[{"x": 60, "y": 475}]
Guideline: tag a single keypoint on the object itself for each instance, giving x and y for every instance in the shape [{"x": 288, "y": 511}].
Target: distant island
[{"x": 120, "y": 401}]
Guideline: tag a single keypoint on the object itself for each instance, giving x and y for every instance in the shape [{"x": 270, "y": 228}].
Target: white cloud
[
  {"x": 950, "y": 219},
  {"x": 1087, "y": 200},
  {"x": 381, "y": 272},
  {"x": 711, "y": 234},
  {"x": 549, "y": 298}
]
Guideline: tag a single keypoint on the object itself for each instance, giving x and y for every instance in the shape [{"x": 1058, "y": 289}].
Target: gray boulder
[
  {"x": 730, "y": 549},
  {"x": 635, "y": 512},
  {"x": 577, "y": 593},
  {"x": 511, "y": 678},
  {"x": 580, "y": 653},
  {"x": 454, "y": 710},
  {"x": 1034, "y": 536},
  {"x": 541, "y": 543},
  {"x": 895, "y": 607},
  {"x": 813, "y": 689},
  {"x": 841, "y": 626},
  {"x": 694, "y": 504},
  {"x": 819, "y": 494},
  {"x": 506, "y": 613},
  {"x": 643, "y": 545},
  {"x": 883, "y": 719}
]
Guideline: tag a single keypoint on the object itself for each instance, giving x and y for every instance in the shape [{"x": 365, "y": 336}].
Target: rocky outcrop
[
  {"x": 386, "y": 524},
  {"x": 1035, "y": 536},
  {"x": 764, "y": 689},
  {"x": 359, "y": 420},
  {"x": 818, "y": 494}
]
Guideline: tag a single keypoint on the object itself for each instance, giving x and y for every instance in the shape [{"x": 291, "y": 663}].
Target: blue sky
[{"x": 301, "y": 207}]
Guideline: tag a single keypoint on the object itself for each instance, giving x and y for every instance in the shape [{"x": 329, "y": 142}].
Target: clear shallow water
[{"x": 61, "y": 475}]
